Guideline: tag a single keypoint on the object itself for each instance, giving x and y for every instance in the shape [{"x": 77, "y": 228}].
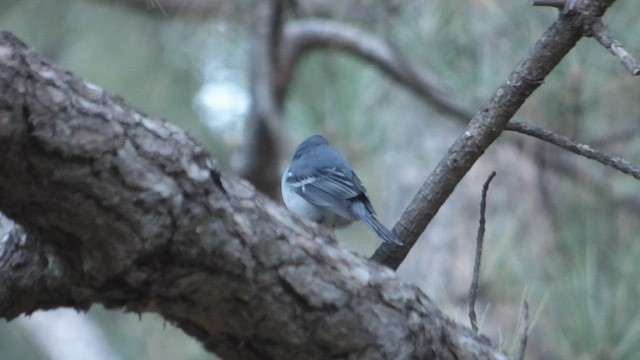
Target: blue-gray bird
[{"x": 320, "y": 184}]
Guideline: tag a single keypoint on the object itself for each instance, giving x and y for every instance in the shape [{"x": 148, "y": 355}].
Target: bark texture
[{"x": 120, "y": 209}]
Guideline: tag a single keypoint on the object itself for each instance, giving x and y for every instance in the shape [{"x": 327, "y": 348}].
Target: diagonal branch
[
  {"x": 601, "y": 33},
  {"x": 585, "y": 150},
  {"x": 488, "y": 123}
]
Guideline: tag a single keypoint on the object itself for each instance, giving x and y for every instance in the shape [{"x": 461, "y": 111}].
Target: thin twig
[
  {"x": 565, "y": 6},
  {"x": 473, "y": 291},
  {"x": 553, "y": 3},
  {"x": 525, "y": 330},
  {"x": 600, "y": 32},
  {"x": 575, "y": 147}
]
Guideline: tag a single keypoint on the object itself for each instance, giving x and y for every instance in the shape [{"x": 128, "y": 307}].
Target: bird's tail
[{"x": 367, "y": 217}]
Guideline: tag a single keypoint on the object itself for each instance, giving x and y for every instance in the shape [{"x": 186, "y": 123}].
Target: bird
[{"x": 320, "y": 184}]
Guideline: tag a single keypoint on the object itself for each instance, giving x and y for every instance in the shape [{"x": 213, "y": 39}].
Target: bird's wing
[{"x": 329, "y": 188}]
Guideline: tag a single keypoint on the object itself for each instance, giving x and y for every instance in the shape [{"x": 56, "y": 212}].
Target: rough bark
[{"x": 126, "y": 211}]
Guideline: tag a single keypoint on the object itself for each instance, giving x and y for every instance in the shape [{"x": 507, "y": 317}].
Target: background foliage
[{"x": 565, "y": 239}]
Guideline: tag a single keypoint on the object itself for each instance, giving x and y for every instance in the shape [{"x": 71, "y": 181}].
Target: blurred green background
[{"x": 561, "y": 230}]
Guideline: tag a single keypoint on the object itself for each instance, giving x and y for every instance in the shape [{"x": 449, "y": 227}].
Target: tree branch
[
  {"x": 601, "y": 33},
  {"x": 585, "y": 150},
  {"x": 129, "y": 212},
  {"x": 488, "y": 123},
  {"x": 473, "y": 290},
  {"x": 552, "y": 3},
  {"x": 301, "y": 36}
]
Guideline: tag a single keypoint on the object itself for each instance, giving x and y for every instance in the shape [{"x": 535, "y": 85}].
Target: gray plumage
[{"x": 320, "y": 184}]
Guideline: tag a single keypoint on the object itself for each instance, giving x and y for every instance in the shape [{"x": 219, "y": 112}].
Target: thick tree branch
[
  {"x": 488, "y": 124},
  {"x": 131, "y": 213}
]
